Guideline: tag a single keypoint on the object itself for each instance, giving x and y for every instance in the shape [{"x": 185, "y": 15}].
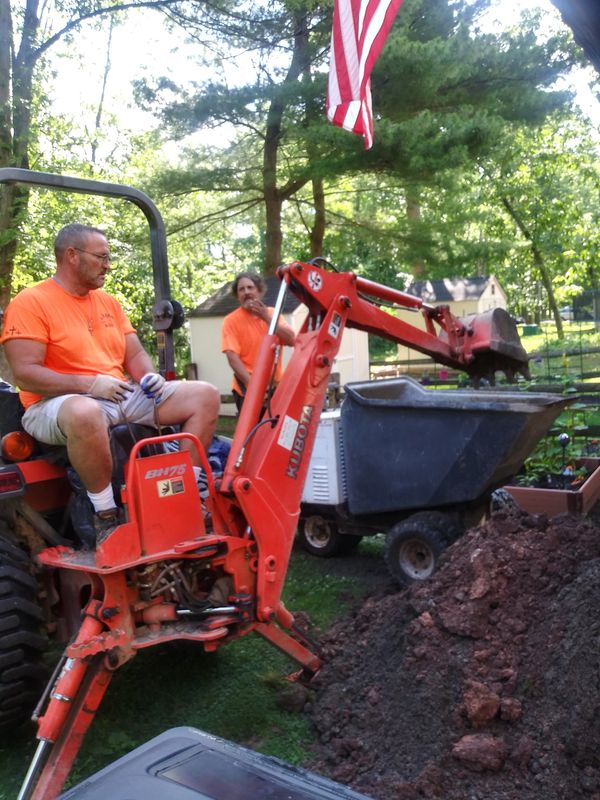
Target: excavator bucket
[{"x": 495, "y": 346}]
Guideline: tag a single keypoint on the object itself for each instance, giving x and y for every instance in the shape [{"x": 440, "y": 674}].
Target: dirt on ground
[{"x": 482, "y": 683}]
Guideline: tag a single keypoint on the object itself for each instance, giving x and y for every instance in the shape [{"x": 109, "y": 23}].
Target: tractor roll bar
[{"x": 163, "y": 313}]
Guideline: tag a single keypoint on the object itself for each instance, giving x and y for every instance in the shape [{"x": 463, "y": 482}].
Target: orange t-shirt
[
  {"x": 242, "y": 333},
  {"x": 83, "y": 335}
]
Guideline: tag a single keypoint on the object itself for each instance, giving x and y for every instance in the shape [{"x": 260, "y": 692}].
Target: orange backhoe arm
[{"x": 480, "y": 345}]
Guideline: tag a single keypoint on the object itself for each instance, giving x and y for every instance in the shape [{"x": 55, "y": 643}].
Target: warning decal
[{"x": 168, "y": 488}]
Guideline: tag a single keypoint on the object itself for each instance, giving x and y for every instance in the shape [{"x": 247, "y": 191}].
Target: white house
[
  {"x": 463, "y": 296},
  {"x": 351, "y": 363}
]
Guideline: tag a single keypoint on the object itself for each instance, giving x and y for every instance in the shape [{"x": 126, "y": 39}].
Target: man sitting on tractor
[{"x": 70, "y": 347}]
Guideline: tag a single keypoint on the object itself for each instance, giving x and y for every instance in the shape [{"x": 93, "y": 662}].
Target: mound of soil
[{"x": 482, "y": 683}]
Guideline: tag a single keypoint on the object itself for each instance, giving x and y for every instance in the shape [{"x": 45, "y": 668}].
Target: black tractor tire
[
  {"x": 319, "y": 536},
  {"x": 23, "y": 640},
  {"x": 413, "y": 546}
]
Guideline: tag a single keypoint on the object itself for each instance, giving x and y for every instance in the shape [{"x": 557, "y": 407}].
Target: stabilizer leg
[
  {"x": 289, "y": 645},
  {"x": 53, "y": 760}
]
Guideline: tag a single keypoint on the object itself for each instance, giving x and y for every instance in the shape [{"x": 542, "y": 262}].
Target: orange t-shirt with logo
[
  {"x": 242, "y": 333},
  {"x": 83, "y": 335}
]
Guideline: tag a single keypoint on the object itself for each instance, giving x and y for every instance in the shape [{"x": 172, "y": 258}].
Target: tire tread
[{"x": 22, "y": 639}]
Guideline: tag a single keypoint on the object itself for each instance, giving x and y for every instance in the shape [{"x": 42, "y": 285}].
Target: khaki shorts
[{"x": 40, "y": 419}]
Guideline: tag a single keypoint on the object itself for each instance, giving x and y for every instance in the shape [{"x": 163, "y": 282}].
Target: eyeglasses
[{"x": 103, "y": 258}]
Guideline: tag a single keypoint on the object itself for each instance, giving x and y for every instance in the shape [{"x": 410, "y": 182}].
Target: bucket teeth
[{"x": 485, "y": 368}]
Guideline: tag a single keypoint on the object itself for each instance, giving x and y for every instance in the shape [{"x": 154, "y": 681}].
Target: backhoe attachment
[{"x": 480, "y": 346}]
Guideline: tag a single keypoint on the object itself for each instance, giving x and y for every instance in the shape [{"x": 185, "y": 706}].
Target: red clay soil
[{"x": 482, "y": 683}]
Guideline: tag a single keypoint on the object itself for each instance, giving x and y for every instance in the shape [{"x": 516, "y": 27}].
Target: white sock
[{"x": 104, "y": 500}]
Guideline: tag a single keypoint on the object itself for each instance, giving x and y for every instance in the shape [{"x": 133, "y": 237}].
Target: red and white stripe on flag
[{"x": 360, "y": 28}]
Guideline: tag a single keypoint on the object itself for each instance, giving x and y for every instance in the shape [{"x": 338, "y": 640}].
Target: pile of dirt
[{"x": 482, "y": 683}]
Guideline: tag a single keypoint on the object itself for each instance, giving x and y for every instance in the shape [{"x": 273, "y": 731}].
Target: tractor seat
[
  {"x": 122, "y": 439},
  {"x": 11, "y": 410}
]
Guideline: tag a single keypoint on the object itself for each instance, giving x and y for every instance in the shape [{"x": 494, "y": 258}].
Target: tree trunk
[
  {"x": 274, "y": 196},
  {"x": 107, "y": 66},
  {"x": 7, "y": 193},
  {"x": 317, "y": 232},
  {"x": 539, "y": 262},
  {"x": 273, "y": 235},
  {"x": 22, "y": 80},
  {"x": 6, "y": 49},
  {"x": 413, "y": 213},
  {"x": 15, "y": 131}
]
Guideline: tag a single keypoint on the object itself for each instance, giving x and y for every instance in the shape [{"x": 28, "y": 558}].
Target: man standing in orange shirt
[
  {"x": 72, "y": 351},
  {"x": 244, "y": 329}
]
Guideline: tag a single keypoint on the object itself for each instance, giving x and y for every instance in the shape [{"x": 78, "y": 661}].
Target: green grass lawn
[{"x": 576, "y": 334}]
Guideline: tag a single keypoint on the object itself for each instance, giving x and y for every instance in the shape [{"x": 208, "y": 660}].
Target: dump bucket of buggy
[
  {"x": 419, "y": 465},
  {"x": 411, "y": 447}
]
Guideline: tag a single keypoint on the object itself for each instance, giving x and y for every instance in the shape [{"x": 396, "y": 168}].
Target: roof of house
[
  {"x": 222, "y": 302},
  {"x": 446, "y": 290}
]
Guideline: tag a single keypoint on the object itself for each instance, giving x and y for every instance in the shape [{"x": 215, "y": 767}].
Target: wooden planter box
[{"x": 553, "y": 502}]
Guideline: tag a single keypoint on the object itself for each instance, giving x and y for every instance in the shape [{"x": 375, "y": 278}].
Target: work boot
[{"x": 105, "y": 522}]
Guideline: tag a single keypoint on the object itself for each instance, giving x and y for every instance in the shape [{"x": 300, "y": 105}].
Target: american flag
[{"x": 360, "y": 28}]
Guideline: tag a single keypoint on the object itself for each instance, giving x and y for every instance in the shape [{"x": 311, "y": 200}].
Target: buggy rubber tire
[
  {"x": 23, "y": 641},
  {"x": 413, "y": 546},
  {"x": 319, "y": 536}
]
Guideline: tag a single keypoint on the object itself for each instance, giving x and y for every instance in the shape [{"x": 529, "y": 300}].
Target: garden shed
[
  {"x": 209, "y": 363},
  {"x": 464, "y": 297}
]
